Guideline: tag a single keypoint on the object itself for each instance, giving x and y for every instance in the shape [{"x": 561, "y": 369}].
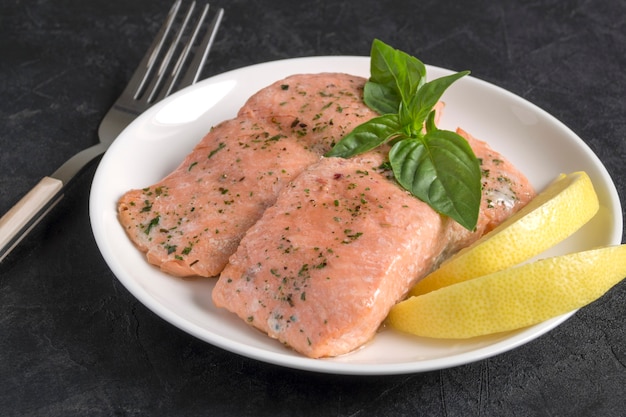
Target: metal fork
[{"x": 157, "y": 76}]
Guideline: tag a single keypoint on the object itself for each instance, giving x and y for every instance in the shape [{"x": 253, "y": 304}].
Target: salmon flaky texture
[{"x": 313, "y": 251}]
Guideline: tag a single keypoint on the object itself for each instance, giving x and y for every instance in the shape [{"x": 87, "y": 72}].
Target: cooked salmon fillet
[
  {"x": 190, "y": 222},
  {"x": 343, "y": 243}
]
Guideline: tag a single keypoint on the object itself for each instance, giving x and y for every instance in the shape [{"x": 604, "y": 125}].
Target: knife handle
[{"x": 26, "y": 213}]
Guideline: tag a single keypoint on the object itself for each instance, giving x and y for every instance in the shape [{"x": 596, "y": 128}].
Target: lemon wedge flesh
[
  {"x": 553, "y": 215},
  {"x": 512, "y": 298}
]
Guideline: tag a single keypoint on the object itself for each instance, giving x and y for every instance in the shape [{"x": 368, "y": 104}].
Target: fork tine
[
  {"x": 177, "y": 70},
  {"x": 167, "y": 59},
  {"x": 145, "y": 87},
  {"x": 197, "y": 64},
  {"x": 137, "y": 84}
]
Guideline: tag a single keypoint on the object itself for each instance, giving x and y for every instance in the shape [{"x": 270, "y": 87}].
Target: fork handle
[{"x": 27, "y": 212}]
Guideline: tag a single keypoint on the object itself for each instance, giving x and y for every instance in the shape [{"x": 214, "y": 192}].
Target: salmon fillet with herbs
[
  {"x": 329, "y": 244},
  {"x": 190, "y": 222},
  {"x": 343, "y": 243}
]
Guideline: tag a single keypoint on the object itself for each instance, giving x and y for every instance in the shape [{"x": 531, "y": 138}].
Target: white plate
[{"x": 158, "y": 140}]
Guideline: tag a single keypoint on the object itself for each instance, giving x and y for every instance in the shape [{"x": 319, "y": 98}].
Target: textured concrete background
[{"x": 73, "y": 341}]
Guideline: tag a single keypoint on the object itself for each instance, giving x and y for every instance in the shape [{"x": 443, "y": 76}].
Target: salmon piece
[
  {"x": 190, "y": 222},
  {"x": 318, "y": 109},
  {"x": 342, "y": 244},
  {"x": 320, "y": 267}
]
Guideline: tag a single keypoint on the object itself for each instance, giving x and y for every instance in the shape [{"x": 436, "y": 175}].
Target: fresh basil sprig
[{"x": 437, "y": 166}]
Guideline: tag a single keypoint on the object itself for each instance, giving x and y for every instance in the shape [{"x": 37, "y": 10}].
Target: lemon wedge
[
  {"x": 512, "y": 298},
  {"x": 553, "y": 215}
]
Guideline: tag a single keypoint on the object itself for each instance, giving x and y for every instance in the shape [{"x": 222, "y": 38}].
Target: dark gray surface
[{"x": 73, "y": 341}]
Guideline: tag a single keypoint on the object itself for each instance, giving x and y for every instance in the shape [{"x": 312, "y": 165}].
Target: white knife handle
[{"x": 25, "y": 215}]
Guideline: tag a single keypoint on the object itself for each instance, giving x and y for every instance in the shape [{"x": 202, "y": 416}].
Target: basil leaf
[
  {"x": 367, "y": 136},
  {"x": 441, "y": 170},
  {"x": 395, "y": 76},
  {"x": 430, "y": 121},
  {"x": 428, "y": 95},
  {"x": 437, "y": 166},
  {"x": 383, "y": 99},
  {"x": 406, "y": 121}
]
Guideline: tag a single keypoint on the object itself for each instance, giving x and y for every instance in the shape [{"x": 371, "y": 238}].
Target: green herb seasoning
[
  {"x": 220, "y": 146},
  {"x": 154, "y": 222}
]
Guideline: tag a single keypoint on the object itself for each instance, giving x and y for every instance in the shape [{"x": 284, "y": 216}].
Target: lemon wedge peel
[
  {"x": 513, "y": 298},
  {"x": 553, "y": 215}
]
